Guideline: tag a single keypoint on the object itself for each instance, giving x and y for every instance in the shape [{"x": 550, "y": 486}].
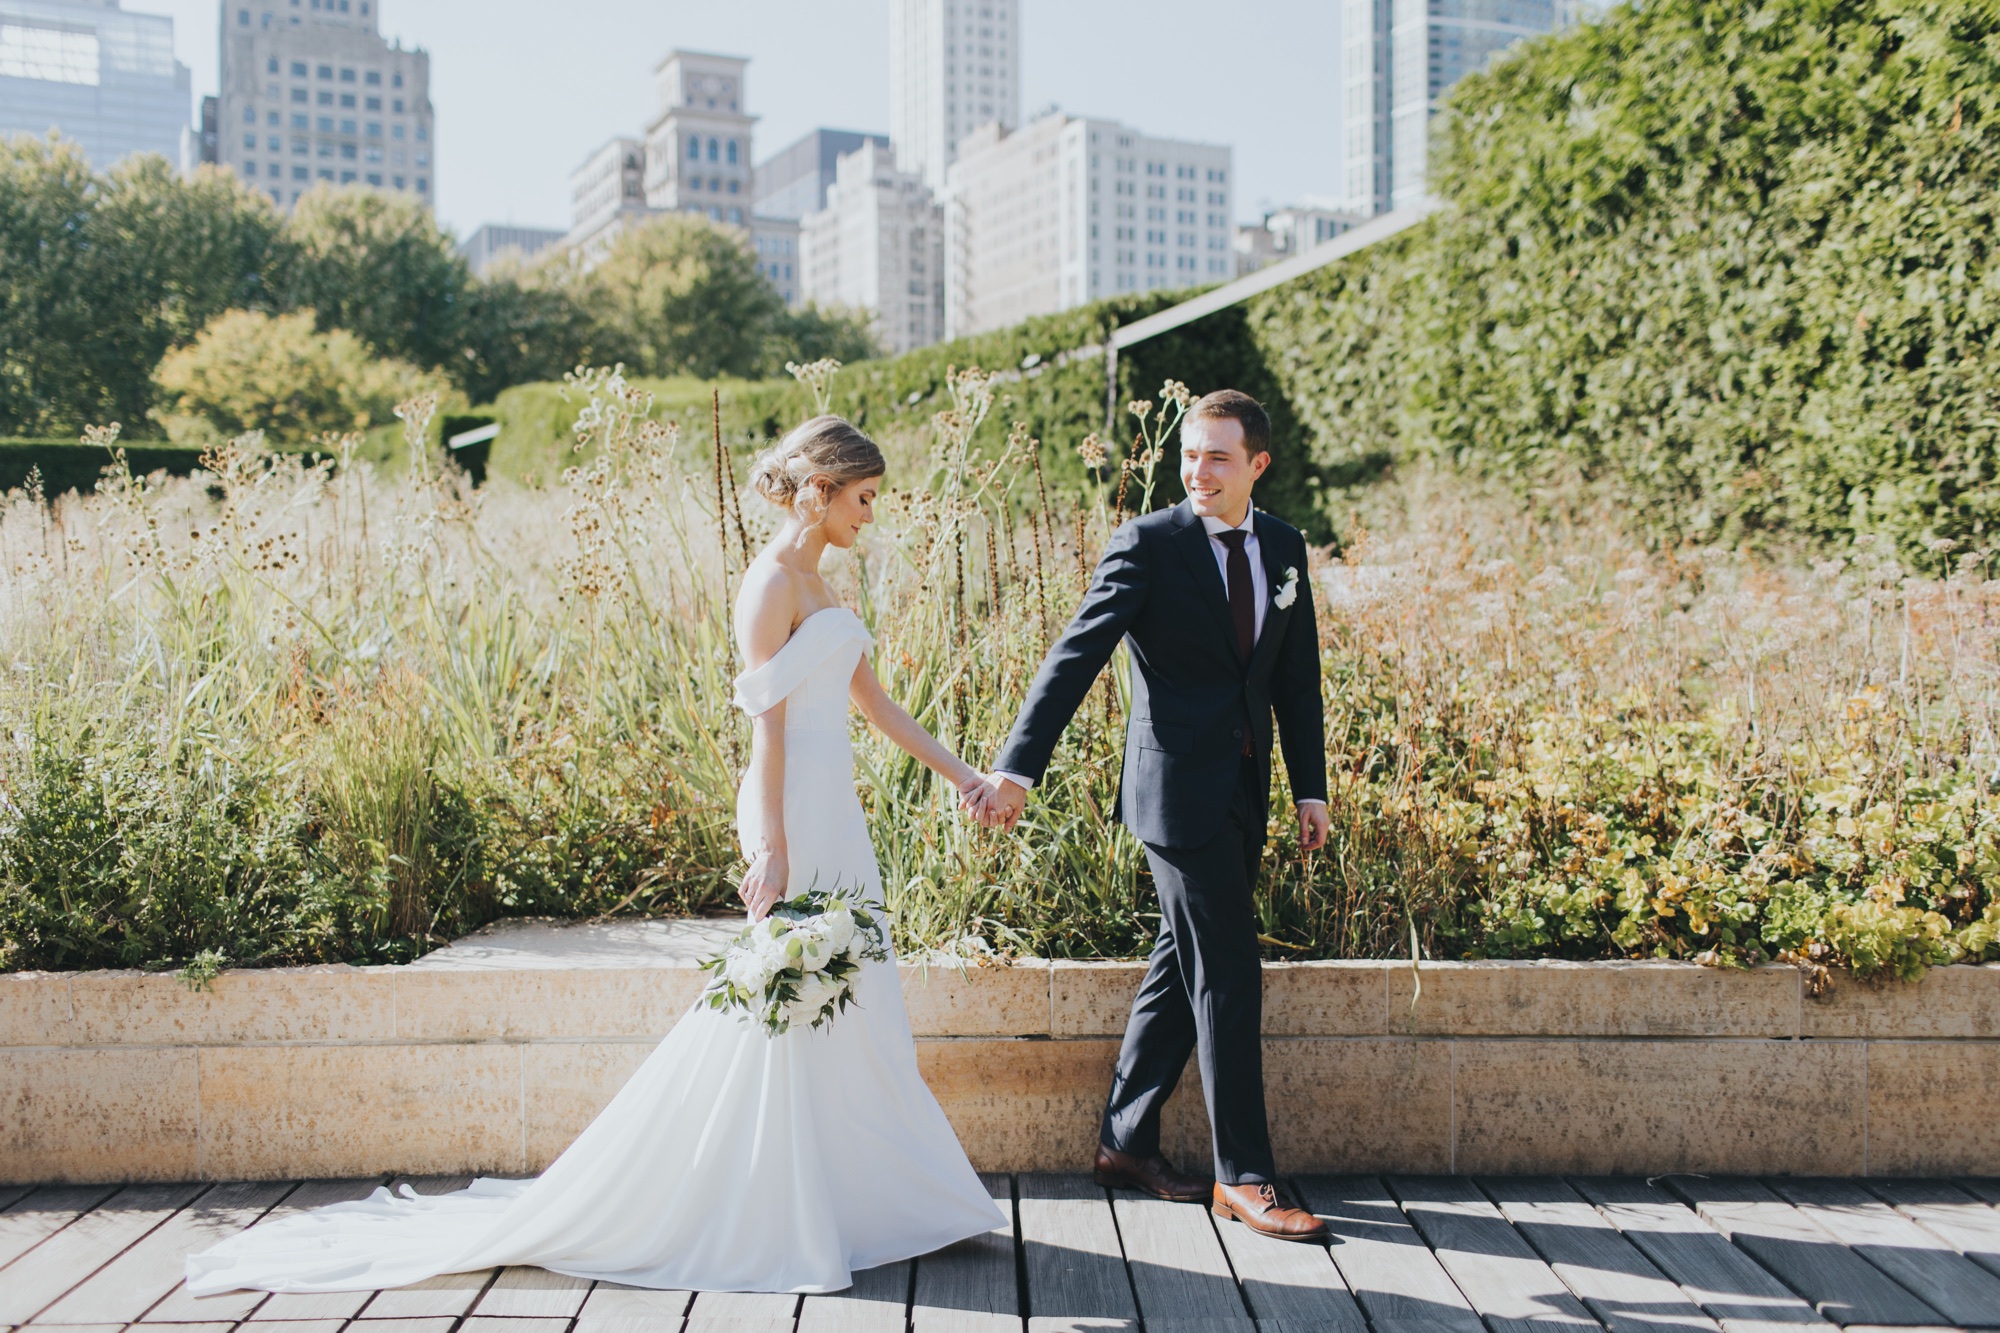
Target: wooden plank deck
[{"x": 1410, "y": 1254}]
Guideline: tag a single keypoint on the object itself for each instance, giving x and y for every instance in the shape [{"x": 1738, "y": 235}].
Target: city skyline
[{"x": 509, "y": 152}]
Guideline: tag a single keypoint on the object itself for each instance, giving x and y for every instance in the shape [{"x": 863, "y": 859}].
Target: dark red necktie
[{"x": 1242, "y": 599}]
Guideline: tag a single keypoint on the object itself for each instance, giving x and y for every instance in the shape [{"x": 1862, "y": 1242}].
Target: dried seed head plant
[{"x": 294, "y": 709}]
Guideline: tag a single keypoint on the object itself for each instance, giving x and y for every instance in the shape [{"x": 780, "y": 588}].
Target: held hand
[
  {"x": 1004, "y": 802},
  {"x": 972, "y": 797},
  {"x": 1314, "y": 826},
  {"x": 764, "y": 883}
]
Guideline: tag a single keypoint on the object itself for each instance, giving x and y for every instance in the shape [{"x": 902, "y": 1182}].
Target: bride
[{"x": 733, "y": 1160}]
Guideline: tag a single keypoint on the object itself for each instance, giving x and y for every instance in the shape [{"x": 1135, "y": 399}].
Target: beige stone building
[
  {"x": 311, "y": 94},
  {"x": 878, "y": 246},
  {"x": 954, "y": 65},
  {"x": 1068, "y": 210}
]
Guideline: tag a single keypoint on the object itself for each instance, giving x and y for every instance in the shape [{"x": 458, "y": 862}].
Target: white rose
[
  {"x": 838, "y": 927},
  {"x": 748, "y": 971},
  {"x": 818, "y": 949},
  {"x": 815, "y": 992},
  {"x": 773, "y": 944}
]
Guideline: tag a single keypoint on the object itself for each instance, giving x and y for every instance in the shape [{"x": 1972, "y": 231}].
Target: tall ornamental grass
[{"x": 286, "y": 711}]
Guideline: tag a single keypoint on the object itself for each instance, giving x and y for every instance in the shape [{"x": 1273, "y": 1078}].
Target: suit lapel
[
  {"x": 1192, "y": 539},
  {"x": 1275, "y": 616}
]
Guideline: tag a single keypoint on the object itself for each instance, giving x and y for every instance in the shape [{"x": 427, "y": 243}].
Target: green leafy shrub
[{"x": 1733, "y": 266}]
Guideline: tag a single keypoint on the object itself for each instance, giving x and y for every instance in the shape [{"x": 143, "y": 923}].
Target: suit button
[{"x": 1238, "y": 733}]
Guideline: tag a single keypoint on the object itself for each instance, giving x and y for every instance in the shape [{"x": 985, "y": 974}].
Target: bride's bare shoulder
[{"x": 767, "y": 607}]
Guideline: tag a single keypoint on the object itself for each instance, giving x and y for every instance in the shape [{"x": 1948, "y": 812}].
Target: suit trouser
[{"x": 1203, "y": 995}]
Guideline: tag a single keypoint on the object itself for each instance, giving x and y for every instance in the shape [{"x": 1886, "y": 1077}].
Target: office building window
[
  {"x": 326, "y": 124},
  {"x": 347, "y": 100},
  {"x": 373, "y": 80},
  {"x": 374, "y": 129},
  {"x": 301, "y": 174},
  {"x": 423, "y": 133},
  {"x": 732, "y": 152},
  {"x": 271, "y": 143},
  {"x": 423, "y": 185},
  {"x": 347, "y": 127},
  {"x": 398, "y": 181},
  {"x": 694, "y": 182},
  {"x": 325, "y": 173},
  {"x": 348, "y": 151},
  {"x": 395, "y": 131},
  {"x": 242, "y": 18},
  {"x": 374, "y": 178},
  {"x": 324, "y": 71},
  {"x": 396, "y": 80},
  {"x": 250, "y": 141},
  {"x": 299, "y": 96},
  {"x": 397, "y": 106},
  {"x": 301, "y": 122},
  {"x": 346, "y": 75},
  {"x": 249, "y": 168},
  {"x": 374, "y": 104}
]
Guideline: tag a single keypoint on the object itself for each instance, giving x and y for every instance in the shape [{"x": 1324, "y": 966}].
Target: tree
[
  {"x": 379, "y": 266},
  {"x": 102, "y": 275},
  {"x": 684, "y": 296},
  {"x": 523, "y": 324},
  {"x": 167, "y": 255},
  {"x": 816, "y": 331},
  {"x": 279, "y": 374},
  {"x": 45, "y": 310}
]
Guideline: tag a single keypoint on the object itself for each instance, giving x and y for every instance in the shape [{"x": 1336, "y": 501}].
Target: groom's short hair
[{"x": 1247, "y": 412}]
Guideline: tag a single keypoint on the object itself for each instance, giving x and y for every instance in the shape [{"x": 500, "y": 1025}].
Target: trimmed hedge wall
[
  {"x": 68, "y": 466},
  {"x": 1733, "y": 266}
]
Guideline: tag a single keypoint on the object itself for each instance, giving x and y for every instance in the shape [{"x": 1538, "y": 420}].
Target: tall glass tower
[
  {"x": 1397, "y": 59},
  {"x": 95, "y": 74}
]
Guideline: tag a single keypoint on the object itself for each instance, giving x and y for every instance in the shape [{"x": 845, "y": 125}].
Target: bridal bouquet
[{"x": 798, "y": 964}]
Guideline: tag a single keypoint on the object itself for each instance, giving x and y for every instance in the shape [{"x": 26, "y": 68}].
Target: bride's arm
[
  {"x": 889, "y": 717},
  {"x": 763, "y": 623}
]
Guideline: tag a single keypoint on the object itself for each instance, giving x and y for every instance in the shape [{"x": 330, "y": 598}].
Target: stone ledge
[{"x": 491, "y": 1054}]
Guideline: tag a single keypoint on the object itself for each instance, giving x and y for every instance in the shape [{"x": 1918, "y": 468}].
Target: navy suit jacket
[{"x": 1158, "y": 589}]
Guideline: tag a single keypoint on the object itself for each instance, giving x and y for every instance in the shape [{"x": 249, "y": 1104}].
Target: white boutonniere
[{"x": 1290, "y": 592}]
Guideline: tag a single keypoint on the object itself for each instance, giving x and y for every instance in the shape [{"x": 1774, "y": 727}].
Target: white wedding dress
[{"x": 732, "y": 1161}]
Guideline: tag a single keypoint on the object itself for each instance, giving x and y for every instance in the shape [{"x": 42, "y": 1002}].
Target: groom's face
[{"x": 1218, "y": 469}]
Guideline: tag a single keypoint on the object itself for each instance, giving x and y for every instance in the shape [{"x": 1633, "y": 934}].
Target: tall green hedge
[{"x": 1732, "y": 263}]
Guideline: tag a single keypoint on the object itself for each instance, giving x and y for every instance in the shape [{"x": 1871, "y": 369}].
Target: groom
[{"x": 1215, "y": 601}]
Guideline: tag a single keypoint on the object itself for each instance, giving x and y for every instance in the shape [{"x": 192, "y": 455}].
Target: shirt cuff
[
  {"x": 1026, "y": 784},
  {"x": 1310, "y": 800}
]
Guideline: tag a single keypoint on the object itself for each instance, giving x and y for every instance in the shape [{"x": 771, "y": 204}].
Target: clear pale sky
[{"x": 524, "y": 89}]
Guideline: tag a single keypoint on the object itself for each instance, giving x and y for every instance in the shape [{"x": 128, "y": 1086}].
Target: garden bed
[{"x": 492, "y": 1054}]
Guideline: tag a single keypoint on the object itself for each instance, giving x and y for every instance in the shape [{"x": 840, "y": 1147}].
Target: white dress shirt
[{"x": 1260, "y": 593}]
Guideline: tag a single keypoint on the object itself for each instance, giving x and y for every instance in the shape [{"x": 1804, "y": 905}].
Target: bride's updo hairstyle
[{"x": 825, "y": 452}]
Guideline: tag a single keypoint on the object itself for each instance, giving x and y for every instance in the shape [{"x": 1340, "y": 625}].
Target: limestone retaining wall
[{"x": 1495, "y": 1067}]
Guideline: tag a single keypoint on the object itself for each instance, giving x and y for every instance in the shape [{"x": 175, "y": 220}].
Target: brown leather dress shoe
[
  {"x": 1153, "y": 1175},
  {"x": 1258, "y": 1207}
]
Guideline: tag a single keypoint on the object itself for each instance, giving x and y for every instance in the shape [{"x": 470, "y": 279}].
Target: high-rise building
[
  {"x": 954, "y": 66},
  {"x": 698, "y": 146},
  {"x": 1067, "y": 210},
  {"x": 95, "y": 74},
  {"x": 496, "y": 241},
  {"x": 793, "y": 182},
  {"x": 312, "y": 93},
  {"x": 1396, "y": 59},
  {"x": 776, "y": 243},
  {"x": 1289, "y": 231},
  {"x": 878, "y": 246},
  {"x": 607, "y": 197}
]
